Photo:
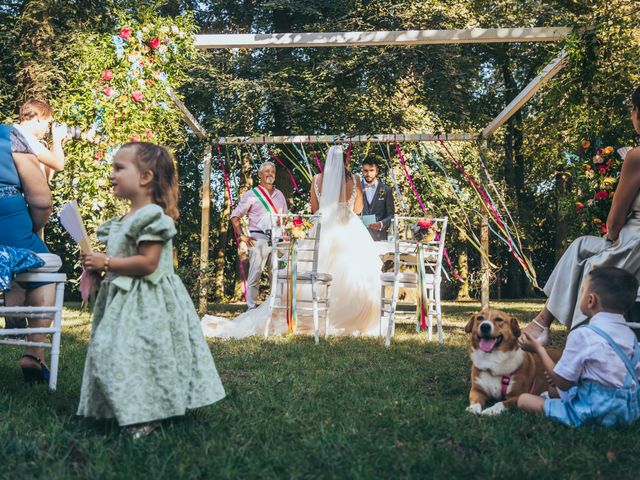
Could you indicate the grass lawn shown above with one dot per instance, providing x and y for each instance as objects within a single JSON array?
[{"x": 347, "y": 408}]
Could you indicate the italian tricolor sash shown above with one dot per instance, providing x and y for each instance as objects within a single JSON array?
[{"x": 265, "y": 199}]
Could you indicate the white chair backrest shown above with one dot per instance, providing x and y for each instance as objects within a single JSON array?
[
  {"x": 403, "y": 235},
  {"x": 306, "y": 249}
]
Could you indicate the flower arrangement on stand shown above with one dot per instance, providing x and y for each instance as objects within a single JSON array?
[
  {"x": 295, "y": 228},
  {"x": 424, "y": 231},
  {"x": 595, "y": 179}
]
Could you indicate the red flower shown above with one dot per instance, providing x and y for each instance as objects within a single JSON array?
[
  {"x": 600, "y": 151},
  {"x": 154, "y": 42},
  {"x": 602, "y": 195},
  {"x": 135, "y": 138},
  {"x": 603, "y": 228},
  {"x": 109, "y": 91},
  {"x": 425, "y": 224},
  {"x": 137, "y": 96},
  {"x": 602, "y": 168},
  {"x": 298, "y": 222},
  {"x": 125, "y": 33},
  {"x": 107, "y": 75}
]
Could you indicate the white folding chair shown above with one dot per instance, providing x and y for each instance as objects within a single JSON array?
[
  {"x": 406, "y": 255},
  {"x": 47, "y": 273},
  {"x": 306, "y": 273}
]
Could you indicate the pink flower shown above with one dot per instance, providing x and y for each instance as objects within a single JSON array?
[
  {"x": 602, "y": 195},
  {"x": 603, "y": 228},
  {"x": 149, "y": 134},
  {"x": 154, "y": 42},
  {"x": 600, "y": 151},
  {"x": 137, "y": 96},
  {"x": 298, "y": 222},
  {"x": 109, "y": 91},
  {"x": 125, "y": 33},
  {"x": 598, "y": 159},
  {"x": 134, "y": 138},
  {"x": 107, "y": 75}
]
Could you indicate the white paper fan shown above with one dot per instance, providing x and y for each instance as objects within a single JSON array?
[{"x": 72, "y": 222}]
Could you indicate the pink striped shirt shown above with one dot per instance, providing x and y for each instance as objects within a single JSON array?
[{"x": 252, "y": 207}]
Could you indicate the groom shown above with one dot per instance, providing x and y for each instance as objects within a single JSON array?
[{"x": 378, "y": 200}]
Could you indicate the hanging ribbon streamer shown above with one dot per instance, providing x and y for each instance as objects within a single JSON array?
[
  {"x": 303, "y": 155},
  {"x": 293, "y": 180},
  {"x": 292, "y": 269},
  {"x": 235, "y": 235},
  {"x": 421, "y": 311},
  {"x": 424, "y": 208},
  {"x": 491, "y": 209},
  {"x": 315, "y": 155}
]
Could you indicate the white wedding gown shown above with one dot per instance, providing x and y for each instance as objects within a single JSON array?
[{"x": 346, "y": 251}]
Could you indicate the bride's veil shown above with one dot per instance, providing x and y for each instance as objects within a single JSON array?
[{"x": 333, "y": 192}]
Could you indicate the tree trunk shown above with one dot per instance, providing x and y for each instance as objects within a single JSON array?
[
  {"x": 514, "y": 173},
  {"x": 463, "y": 269},
  {"x": 562, "y": 223}
]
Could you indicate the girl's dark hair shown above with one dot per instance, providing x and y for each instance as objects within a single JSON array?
[
  {"x": 635, "y": 98},
  {"x": 164, "y": 186}
]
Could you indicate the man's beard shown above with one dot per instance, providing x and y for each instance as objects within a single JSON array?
[{"x": 269, "y": 181}]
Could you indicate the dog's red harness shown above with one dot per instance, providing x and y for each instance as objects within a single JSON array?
[{"x": 506, "y": 379}]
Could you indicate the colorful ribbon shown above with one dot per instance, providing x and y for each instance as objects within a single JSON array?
[
  {"x": 292, "y": 269},
  {"x": 424, "y": 209},
  {"x": 293, "y": 180}
]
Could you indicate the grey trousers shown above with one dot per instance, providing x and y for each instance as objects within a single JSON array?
[{"x": 258, "y": 257}]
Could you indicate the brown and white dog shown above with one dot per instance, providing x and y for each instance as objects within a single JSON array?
[{"x": 501, "y": 370}]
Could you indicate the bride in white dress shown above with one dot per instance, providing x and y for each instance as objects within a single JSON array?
[{"x": 346, "y": 251}]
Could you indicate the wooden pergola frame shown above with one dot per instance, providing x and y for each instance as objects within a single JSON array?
[{"x": 355, "y": 39}]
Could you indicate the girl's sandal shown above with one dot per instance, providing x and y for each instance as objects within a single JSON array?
[
  {"x": 141, "y": 430},
  {"x": 33, "y": 374}
]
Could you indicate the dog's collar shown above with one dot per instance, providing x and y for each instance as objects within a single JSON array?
[{"x": 506, "y": 380}]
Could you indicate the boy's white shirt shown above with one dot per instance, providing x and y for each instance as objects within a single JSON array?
[{"x": 588, "y": 356}]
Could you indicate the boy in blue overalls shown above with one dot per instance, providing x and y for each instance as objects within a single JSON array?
[{"x": 597, "y": 375}]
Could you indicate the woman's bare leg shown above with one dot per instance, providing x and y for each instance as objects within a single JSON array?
[{"x": 38, "y": 297}]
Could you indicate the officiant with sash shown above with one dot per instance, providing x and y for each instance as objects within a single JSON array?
[
  {"x": 257, "y": 205},
  {"x": 379, "y": 209}
]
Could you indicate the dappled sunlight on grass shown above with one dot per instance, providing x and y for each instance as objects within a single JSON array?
[{"x": 348, "y": 407}]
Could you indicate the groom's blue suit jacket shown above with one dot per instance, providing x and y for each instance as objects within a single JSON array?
[{"x": 382, "y": 207}]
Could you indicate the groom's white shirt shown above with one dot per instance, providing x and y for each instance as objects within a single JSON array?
[{"x": 370, "y": 190}]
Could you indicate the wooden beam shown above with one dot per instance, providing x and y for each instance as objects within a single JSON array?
[
  {"x": 380, "y": 138},
  {"x": 529, "y": 91},
  {"x": 188, "y": 117},
  {"x": 356, "y": 39},
  {"x": 204, "y": 231}
]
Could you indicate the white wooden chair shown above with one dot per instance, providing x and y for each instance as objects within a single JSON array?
[
  {"x": 406, "y": 255},
  {"x": 306, "y": 273},
  {"x": 47, "y": 273}
]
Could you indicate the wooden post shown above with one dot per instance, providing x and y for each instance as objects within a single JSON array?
[
  {"x": 484, "y": 263},
  {"x": 204, "y": 232}
]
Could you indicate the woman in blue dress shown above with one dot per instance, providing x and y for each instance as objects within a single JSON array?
[{"x": 25, "y": 206}]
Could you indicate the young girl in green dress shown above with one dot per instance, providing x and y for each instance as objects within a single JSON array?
[{"x": 147, "y": 358}]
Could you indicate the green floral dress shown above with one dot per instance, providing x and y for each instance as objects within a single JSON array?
[{"x": 147, "y": 358}]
